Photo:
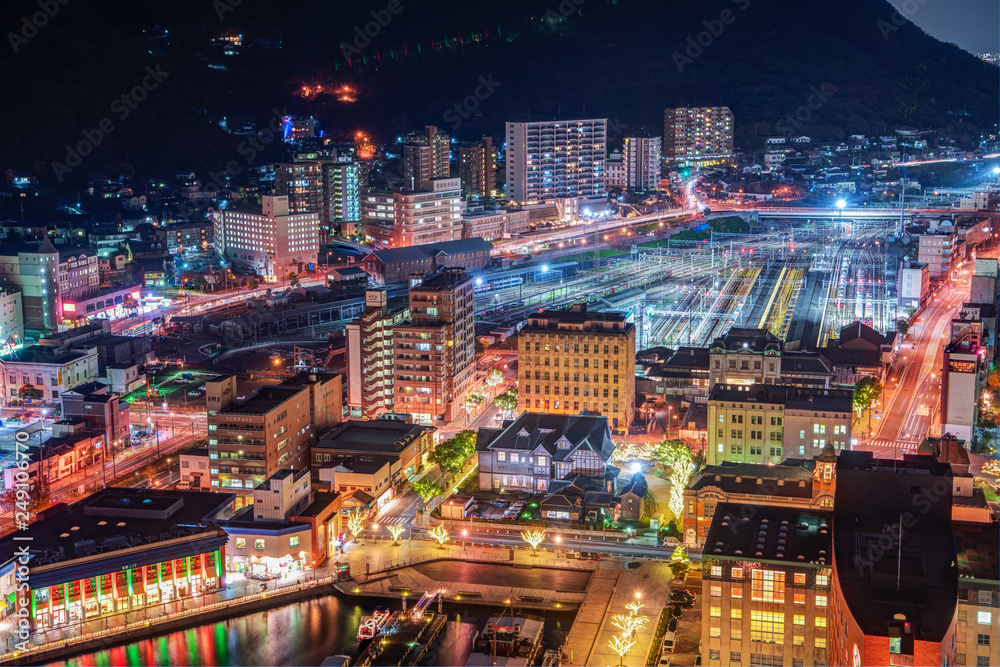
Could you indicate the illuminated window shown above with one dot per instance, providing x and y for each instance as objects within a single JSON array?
[
  {"x": 715, "y": 612},
  {"x": 798, "y": 640},
  {"x": 716, "y": 591},
  {"x": 798, "y": 619},
  {"x": 799, "y": 598},
  {"x": 293, "y": 541},
  {"x": 736, "y": 613},
  {"x": 820, "y": 600},
  {"x": 766, "y": 626},
  {"x": 984, "y": 618},
  {"x": 822, "y": 580},
  {"x": 736, "y": 573},
  {"x": 241, "y": 543},
  {"x": 737, "y": 592},
  {"x": 800, "y": 579},
  {"x": 767, "y": 586},
  {"x": 715, "y": 632},
  {"x": 820, "y": 621},
  {"x": 736, "y": 633},
  {"x": 258, "y": 545},
  {"x": 821, "y": 642}
]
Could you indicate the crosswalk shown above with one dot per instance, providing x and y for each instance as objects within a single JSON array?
[{"x": 882, "y": 443}]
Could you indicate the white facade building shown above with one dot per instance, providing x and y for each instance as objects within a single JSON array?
[
  {"x": 272, "y": 241},
  {"x": 551, "y": 159},
  {"x": 642, "y": 162}
]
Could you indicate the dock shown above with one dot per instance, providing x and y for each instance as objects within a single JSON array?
[{"x": 405, "y": 641}]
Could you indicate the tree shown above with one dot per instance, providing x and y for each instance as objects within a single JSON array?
[
  {"x": 355, "y": 523},
  {"x": 293, "y": 279},
  {"x": 507, "y": 402},
  {"x": 427, "y": 490},
  {"x": 37, "y": 497},
  {"x": 680, "y": 475},
  {"x": 866, "y": 392},
  {"x": 993, "y": 379},
  {"x": 396, "y": 530},
  {"x": 902, "y": 326},
  {"x": 621, "y": 646},
  {"x": 474, "y": 399},
  {"x": 493, "y": 379},
  {"x": 440, "y": 534},
  {"x": 680, "y": 554},
  {"x": 253, "y": 283},
  {"x": 534, "y": 538},
  {"x": 28, "y": 391},
  {"x": 449, "y": 457}
]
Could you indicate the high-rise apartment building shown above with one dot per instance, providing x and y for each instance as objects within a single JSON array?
[
  {"x": 377, "y": 217},
  {"x": 699, "y": 136},
  {"x": 425, "y": 158},
  {"x": 571, "y": 361},
  {"x": 642, "y": 162},
  {"x": 370, "y": 354},
  {"x": 302, "y": 183},
  {"x": 273, "y": 240},
  {"x": 435, "y": 348},
  {"x": 768, "y": 423},
  {"x": 555, "y": 159},
  {"x": 432, "y": 215},
  {"x": 341, "y": 192},
  {"x": 477, "y": 167}
]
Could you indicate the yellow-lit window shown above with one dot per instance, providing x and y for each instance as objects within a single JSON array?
[
  {"x": 737, "y": 592},
  {"x": 798, "y": 619},
  {"x": 736, "y": 613},
  {"x": 736, "y": 573},
  {"x": 715, "y": 612},
  {"x": 767, "y": 586},
  {"x": 800, "y": 579},
  {"x": 820, "y": 600},
  {"x": 766, "y": 626},
  {"x": 821, "y": 621}
]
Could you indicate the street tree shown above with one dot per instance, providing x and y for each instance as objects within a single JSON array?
[
  {"x": 493, "y": 378},
  {"x": 427, "y": 490},
  {"x": 680, "y": 475},
  {"x": 28, "y": 391},
  {"x": 507, "y": 402},
  {"x": 440, "y": 534},
  {"x": 866, "y": 391},
  {"x": 396, "y": 530},
  {"x": 534, "y": 538},
  {"x": 902, "y": 326},
  {"x": 355, "y": 523},
  {"x": 621, "y": 646}
]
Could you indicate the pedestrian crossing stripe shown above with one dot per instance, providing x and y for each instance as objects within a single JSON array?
[{"x": 880, "y": 442}]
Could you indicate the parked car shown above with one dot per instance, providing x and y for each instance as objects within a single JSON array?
[
  {"x": 678, "y": 610},
  {"x": 683, "y": 597},
  {"x": 672, "y": 625},
  {"x": 668, "y": 642},
  {"x": 665, "y": 660}
]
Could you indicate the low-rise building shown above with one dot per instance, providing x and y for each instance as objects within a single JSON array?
[
  {"x": 537, "y": 449},
  {"x": 977, "y": 638},
  {"x": 47, "y": 370},
  {"x": 396, "y": 265},
  {"x": 913, "y": 284},
  {"x": 116, "y": 551}
]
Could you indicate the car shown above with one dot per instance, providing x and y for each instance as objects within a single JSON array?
[
  {"x": 665, "y": 661},
  {"x": 682, "y": 597},
  {"x": 671, "y": 542},
  {"x": 677, "y": 610},
  {"x": 668, "y": 642},
  {"x": 672, "y": 625},
  {"x": 183, "y": 485},
  {"x": 500, "y": 503},
  {"x": 194, "y": 393}
]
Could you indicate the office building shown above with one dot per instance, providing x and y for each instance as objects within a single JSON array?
[
  {"x": 938, "y": 250},
  {"x": 370, "y": 354},
  {"x": 767, "y": 423},
  {"x": 766, "y": 581},
  {"x": 895, "y": 588},
  {"x": 914, "y": 283},
  {"x": 48, "y": 370},
  {"x": 435, "y": 352},
  {"x": 963, "y": 358},
  {"x": 572, "y": 361},
  {"x": 130, "y": 549},
  {"x": 642, "y": 162},
  {"x": 47, "y": 277},
  {"x": 425, "y": 158},
  {"x": 431, "y": 215},
  {"x": 697, "y": 136},
  {"x": 536, "y": 450},
  {"x": 805, "y": 484},
  {"x": 272, "y": 240},
  {"x": 549, "y": 160},
  {"x": 302, "y": 184},
  {"x": 477, "y": 168},
  {"x": 250, "y": 441}
]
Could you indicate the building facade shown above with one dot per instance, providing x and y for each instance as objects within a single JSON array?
[
  {"x": 371, "y": 354},
  {"x": 697, "y": 136},
  {"x": 914, "y": 284},
  {"x": 397, "y": 265},
  {"x": 434, "y": 349},
  {"x": 768, "y": 423},
  {"x": 937, "y": 250},
  {"x": 573, "y": 361},
  {"x": 477, "y": 168},
  {"x": 766, "y": 584},
  {"x": 960, "y": 384},
  {"x": 536, "y": 449},
  {"x": 302, "y": 183},
  {"x": 48, "y": 370},
  {"x": 431, "y": 215},
  {"x": 11, "y": 320},
  {"x": 273, "y": 241},
  {"x": 426, "y": 158},
  {"x": 642, "y": 162},
  {"x": 555, "y": 159}
]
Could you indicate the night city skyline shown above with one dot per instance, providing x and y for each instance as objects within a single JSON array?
[{"x": 420, "y": 332}]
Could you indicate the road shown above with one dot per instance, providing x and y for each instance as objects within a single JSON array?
[{"x": 910, "y": 406}]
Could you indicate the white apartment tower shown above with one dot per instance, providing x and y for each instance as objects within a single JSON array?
[{"x": 547, "y": 160}]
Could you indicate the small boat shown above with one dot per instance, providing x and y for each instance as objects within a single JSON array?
[
  {"x": 507, "y": 642},
  {"x": 372, "y": 627}
]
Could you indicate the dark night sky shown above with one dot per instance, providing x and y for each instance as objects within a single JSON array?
[{"x": 974, "y": 25}]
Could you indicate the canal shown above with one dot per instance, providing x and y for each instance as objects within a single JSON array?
[{"x": 305, "y": 633}]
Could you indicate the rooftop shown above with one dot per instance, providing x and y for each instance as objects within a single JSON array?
[
  {"x": 264, "y": 401},
  {"x": 44, "y": 354},
  {"x": 758, "y": 532},
  {"x": 377, "y": 436},
  {"x": 793, "y": 398},
  {"x": 977, "y": 547},
  {"x": 753, "y": 340},
  {"x": 558, "y": 435},
  {"x": 427, "y": 250}
]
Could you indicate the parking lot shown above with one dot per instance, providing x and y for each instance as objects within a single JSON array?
[{"x": 506, "y": 510}]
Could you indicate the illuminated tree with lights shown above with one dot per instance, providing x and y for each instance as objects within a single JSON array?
[
  {"x": 507, "y": 402},
  {"x": 992, "y": 467},
  {"x": 680, "y": 554},
  {"x": 621, "y": 646},
  {"x": 633, "y": 451},
  {"x": 493, "y": 379},
  {"x": 355, "y": 524},
  {"x": 439, "y": 534},
  {"x": 634, "y": 607},
  {"x": 680, "y": 475},
  {"x": 629, "y": 623},
  {"x": 396, "y": 530},
  {"x": 534, "y": 538}
]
